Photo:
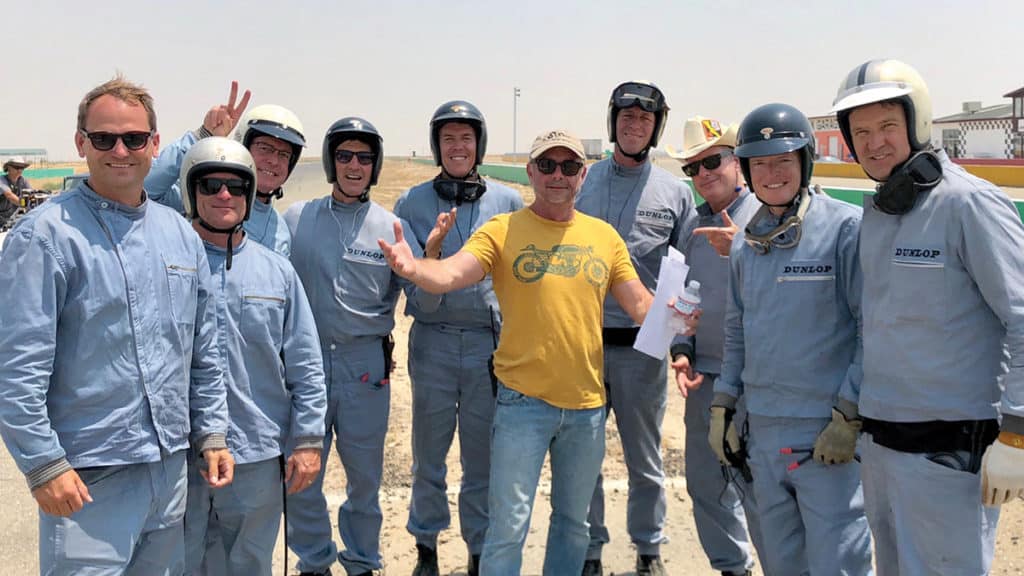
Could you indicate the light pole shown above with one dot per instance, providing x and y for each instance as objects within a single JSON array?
[{"x": 515, "y": 102}]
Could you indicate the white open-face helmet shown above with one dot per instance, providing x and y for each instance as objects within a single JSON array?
[
  {"x": 211, "y": 155},
  {"x": 274, "y": 121},
  {"x": 881, "y": 81}
]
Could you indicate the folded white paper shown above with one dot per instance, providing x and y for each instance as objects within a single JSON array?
[{"x": 656, "y": 333}]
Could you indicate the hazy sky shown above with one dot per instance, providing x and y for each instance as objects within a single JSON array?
[{"x": 394, "y": 62}]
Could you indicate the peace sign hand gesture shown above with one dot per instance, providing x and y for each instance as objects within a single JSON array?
[{"x": 221, "y": 119}]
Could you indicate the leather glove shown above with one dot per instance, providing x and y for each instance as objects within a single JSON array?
[
  {"x": 722, "y": 431},
  {"x": 1002, "y": 470},
  {"x": 837, "y": 443}
]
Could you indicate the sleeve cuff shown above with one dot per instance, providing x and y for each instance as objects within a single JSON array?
[
  {"x": 215, "y": 441},
  {"x": 724, "y": 400},
  {"x": 201, "y": 133},
  {"x": 1013, "y": 424},
  {"x": 683, "y": 349},
  {"x": 47, "y": 472},
  {"x": 309, "y": 442},
  {"x": 848, "y": 409}
]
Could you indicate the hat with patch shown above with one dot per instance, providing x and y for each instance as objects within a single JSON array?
[
  {"x": 554, "y": 139},
  {"x": 700, "y": 133}
]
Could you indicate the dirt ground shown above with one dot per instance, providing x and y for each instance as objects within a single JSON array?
[{"x": 683, "y": 555}]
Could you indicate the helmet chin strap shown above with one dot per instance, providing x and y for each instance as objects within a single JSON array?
[
  {"x": 639, "y": 156},
  {"x": 230, "y": 233},
  {"x": 364, "y": 196},
  {"x": 277, "y": 194}
]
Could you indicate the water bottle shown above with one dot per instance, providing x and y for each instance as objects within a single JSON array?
[{"x": 689, "y": 301}]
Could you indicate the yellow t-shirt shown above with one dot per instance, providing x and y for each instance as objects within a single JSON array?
[{"x": 551, "y": 279}]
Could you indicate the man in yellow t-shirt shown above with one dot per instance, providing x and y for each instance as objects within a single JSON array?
[{"x": 551, "y": 268}]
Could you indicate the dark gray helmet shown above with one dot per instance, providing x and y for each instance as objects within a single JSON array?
[
  {"x": 776, "y": 129},
  {"x": 458, "y": 111},
  {"x": 352, "y": 128},
  {"x": 211, "y": 155},
  {"x": 645, "y": 95}
]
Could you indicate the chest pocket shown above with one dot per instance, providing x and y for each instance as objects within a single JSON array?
[
  {"x": 918, "y": 284},
  {"x": 182, "y": 289},
  {"x": 810, "y": 283},
  {"x": 651, "y": 230},
  {"x": 263, "y": 317},
  {"x": 366, "y": 276}
]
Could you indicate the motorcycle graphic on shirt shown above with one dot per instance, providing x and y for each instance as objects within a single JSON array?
[{"x": 563, "y": 260}]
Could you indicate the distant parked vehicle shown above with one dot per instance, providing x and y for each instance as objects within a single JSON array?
[{"x": 828, "y": 159}]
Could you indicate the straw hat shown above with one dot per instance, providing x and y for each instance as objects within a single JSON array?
[{"x": 700, "y": 133}]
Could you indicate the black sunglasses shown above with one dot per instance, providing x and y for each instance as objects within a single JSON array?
[
  {"x": 345, "y": 156},
  {"x": 709, "y": 163},
  {"x": 569, "y": 167},
  {"x": 104, "y": 141},
  {"x": 632, "y": 94},
  {"x": 210, "y": 186}
]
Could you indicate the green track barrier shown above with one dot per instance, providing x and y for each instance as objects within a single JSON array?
[
  {"x": 47, "y": 173},
  {"x": 506, "y": 172}
]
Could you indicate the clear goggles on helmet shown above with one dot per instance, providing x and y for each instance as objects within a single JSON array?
[
  {"x": 786, "y": 235},
  {"x": 645, "y": 96}
]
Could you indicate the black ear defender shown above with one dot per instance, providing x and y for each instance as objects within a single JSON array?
[{"x": 920, "y": 173}]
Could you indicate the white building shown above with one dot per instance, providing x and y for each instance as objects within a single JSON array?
[{"x": 983, "y": 132}]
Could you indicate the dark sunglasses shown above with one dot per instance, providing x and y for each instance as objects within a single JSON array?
[
  {"x": 709, "y": 163},
  {"x": 345, "y": 156},
  {"x": 211, "y": 186},
  {"x": 569, "y": 167},
  {"x": 632, "y": 94},
  {"x": 104, "y": 141}
]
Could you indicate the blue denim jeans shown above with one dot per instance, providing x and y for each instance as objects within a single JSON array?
[{"x": 525, "y": 429}]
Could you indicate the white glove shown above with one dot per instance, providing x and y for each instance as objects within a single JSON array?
[{"x": 1002, "y": 473}]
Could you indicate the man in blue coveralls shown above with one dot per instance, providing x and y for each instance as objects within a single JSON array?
[
  {"x": 353, "y": 293},
  {"x": 795, "y": 269},
  {"x": 449, "y": 346},
  {"x": 109, "y": 362},
  {"x": 651, "y": 210},
  {"x": 273, "y": 135},
  {"x": 274, "y": 380},
  {"x": 943, "y": 259},
  {"x": 724, "y": 507}
]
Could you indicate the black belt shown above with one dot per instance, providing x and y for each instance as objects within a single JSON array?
[
  {"x": 619, "y": 336},
  {"x": 933, "y": 436}
]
